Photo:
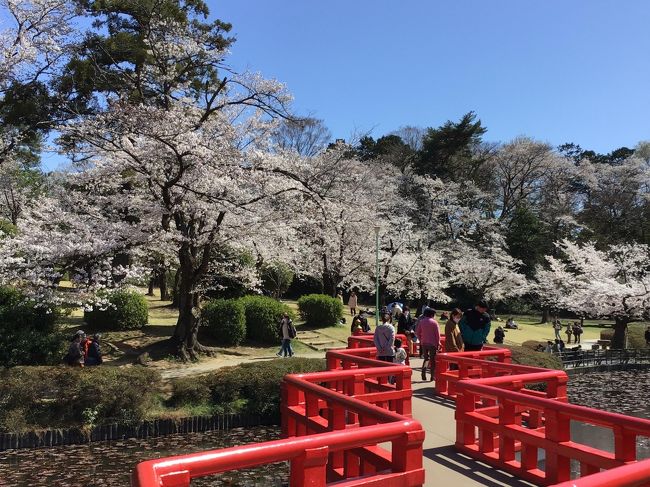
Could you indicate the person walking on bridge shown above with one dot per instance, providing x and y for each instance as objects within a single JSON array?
[
  {"x": 428, "y": 334},
  {"x": 475, "y": 327},
  {"x": 384, "y": 339}
]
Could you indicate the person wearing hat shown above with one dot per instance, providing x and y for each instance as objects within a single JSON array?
[{"x": 475, "y": 327}]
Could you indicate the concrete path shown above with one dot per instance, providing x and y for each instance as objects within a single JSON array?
[{"x": 444, "y": 465}]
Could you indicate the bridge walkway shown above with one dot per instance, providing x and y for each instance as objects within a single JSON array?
[{"x": 445, "y": 467}]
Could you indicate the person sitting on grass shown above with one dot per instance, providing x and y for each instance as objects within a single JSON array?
[
  {"x": 511, "y": 325},
  {"x": 75, "y": 356},
  {"x": 499, "y": 335},
  {"x": 360, "y": 321},
  {"x": 94, "y": 353}
]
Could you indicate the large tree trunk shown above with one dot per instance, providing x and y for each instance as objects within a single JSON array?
[
  {"x": 329, "y": 284},
  {"x": 175, "y": 297},
  {"x": 152, "y": 285},
  {"x": 620, "y": 333},
  {"x": 162, "y": 282},
  {"x": 189, "y": 312},
  {"x": 546, "y": 315}
]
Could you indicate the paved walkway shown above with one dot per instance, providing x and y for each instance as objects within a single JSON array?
[{"x": 444, "y": 465}]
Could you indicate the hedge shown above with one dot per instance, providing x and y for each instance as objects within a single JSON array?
[
  {"x": 636, "y": 335},
  {"x": 523, "y": 355},
  {"x": 320, "y": 310},
  {"x": 246, "y": 388},
  {"x": 263, "y": 315},
  {"x": 225, "y": 320},
  {"x": 56, "y": 397},
  {"x": 127, "y": 310},
  {"x": 28, "y": 334}
]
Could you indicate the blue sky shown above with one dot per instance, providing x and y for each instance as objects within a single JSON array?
[{"x": 558, "y": 71}]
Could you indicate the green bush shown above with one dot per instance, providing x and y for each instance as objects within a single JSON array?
[
  {"x": 636, "y": 335},
  {"x": 67, "y": 396},
  {"x": 28, "y": 334},
  {"x": 320, "y": 310},
  {"x": 126, "y": 310},
  {"x": 527, "y": 356},
  {"x": 263, "y": 315},
  {"x": 225, "y": 320},
  {"x": 252, "y": 388},
  {"x": 533, "y": 344}
]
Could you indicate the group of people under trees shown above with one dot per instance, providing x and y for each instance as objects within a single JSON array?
[
  {"x": 84, "y": 351},
  {"x": 571, "y": 330},
  {"x": 464, "y": 331}
]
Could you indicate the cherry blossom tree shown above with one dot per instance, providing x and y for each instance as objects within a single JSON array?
[
  {"x": 487, "y": 272},
  {"x": 612, "y": 283},
  {"x": 34, "y": 41}
]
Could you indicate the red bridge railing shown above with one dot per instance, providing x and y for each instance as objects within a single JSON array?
[
  {"x": 502, "y": 423},
  {"x": 334, "y": 423}
]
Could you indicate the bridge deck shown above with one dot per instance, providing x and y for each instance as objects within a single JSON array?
[{"x": 444, "y": 465}]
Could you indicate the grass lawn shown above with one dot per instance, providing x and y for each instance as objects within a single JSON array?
[
  {"x": 162, "y": 319},
  {"x": 531, "y": 329}
]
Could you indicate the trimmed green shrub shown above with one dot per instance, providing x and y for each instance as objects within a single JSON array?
[
  {"x": 636, "y": 335},
  {"x": 320, "y": 310},
  {"x": 68, "y": 396},
  {"x": 527, "y": 356},
  {"x": 263, "y": 316},
  {"x": 246, "y": 388},
  {"x": 225, "y": 320},
  {"x": 28, "y": 334},
  {"x": 127, "y": 310},
  {"x": 533, "y": 344}
]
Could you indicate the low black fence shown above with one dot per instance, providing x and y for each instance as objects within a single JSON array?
[
  {"x": 121, "y": 431},
  {"x": 595, "y": 358}
]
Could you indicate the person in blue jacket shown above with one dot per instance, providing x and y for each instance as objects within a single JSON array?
[{"x": 475, "y": 327}]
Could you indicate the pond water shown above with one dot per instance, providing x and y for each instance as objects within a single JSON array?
[
  {"x": 110, "y": 463},
  {"x": 624, "y": 392}
]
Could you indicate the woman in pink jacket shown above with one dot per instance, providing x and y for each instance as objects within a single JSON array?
[{"x": 428, "y": 334}]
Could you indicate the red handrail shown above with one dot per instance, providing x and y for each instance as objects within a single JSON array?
[
  {"x": 333, "y": 423},
  {"x": 496, "y": 418}
]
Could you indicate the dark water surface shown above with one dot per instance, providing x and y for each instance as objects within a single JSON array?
[
  {"x": 110, "y": 463},
  {"x": 625, "y": 392}
]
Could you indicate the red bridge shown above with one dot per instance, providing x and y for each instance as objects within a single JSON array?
[{"x": 353, "y": 425}]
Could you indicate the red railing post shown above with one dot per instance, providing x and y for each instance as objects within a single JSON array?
[
  {"x": 308, "y": 469},
  {"x": 336, "y": 422},
  {"x": 558, "y": 430},
  {"x": 624, "y": 444},
  {"x": 507, "y": 417},
  {"x": 442, "y": 366},
  {"x": 407, "y": 451},
  {"x": 403, "y": 383},
  {"x": 465, "y": 434}
]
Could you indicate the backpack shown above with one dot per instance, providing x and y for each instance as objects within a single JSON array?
[{"x": 292, "y": 330}]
